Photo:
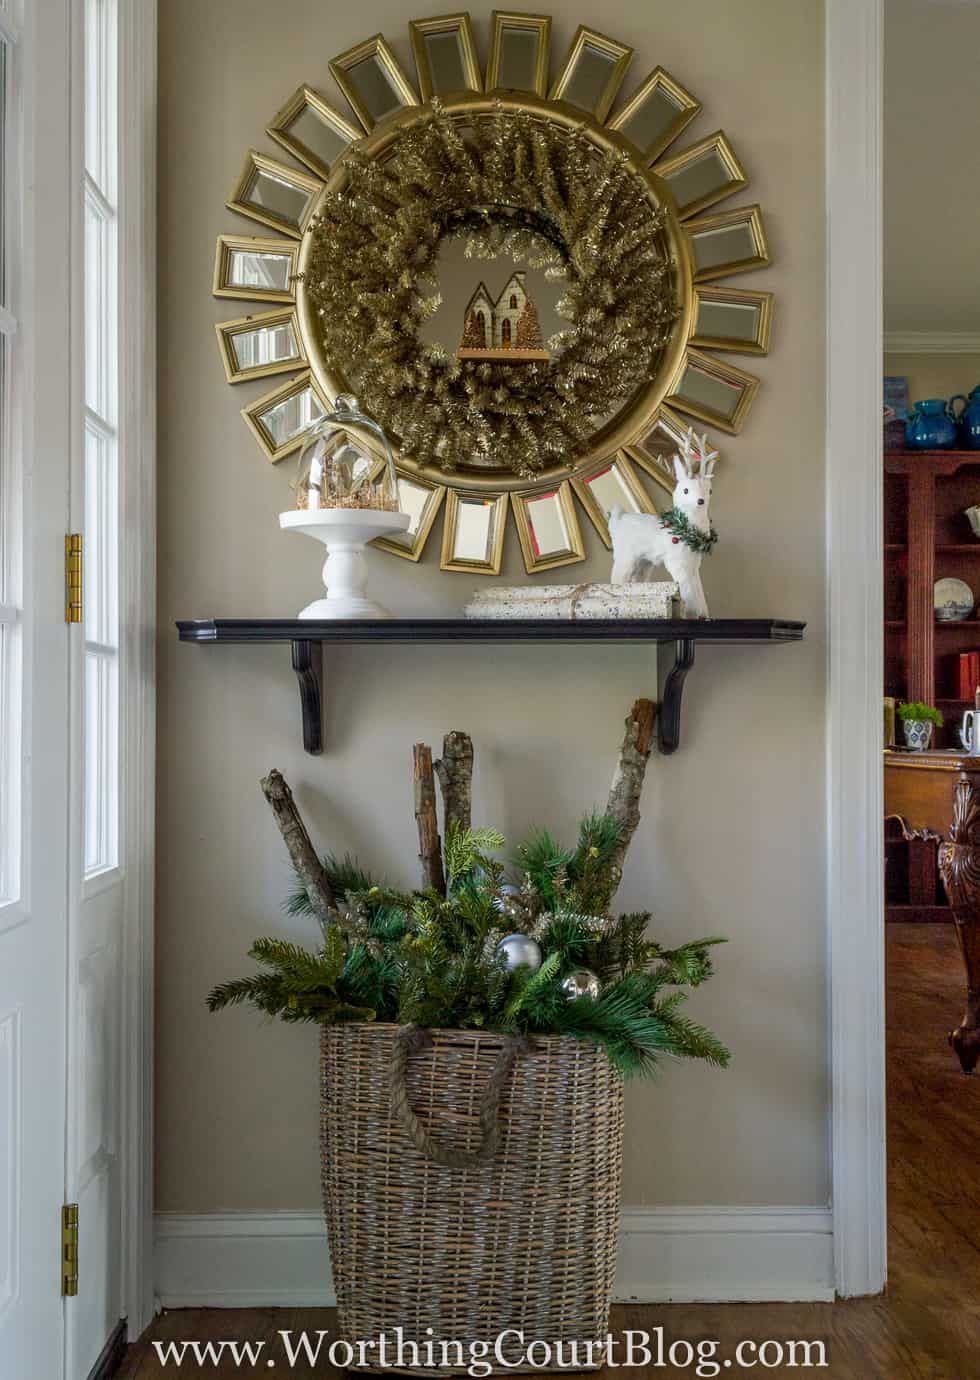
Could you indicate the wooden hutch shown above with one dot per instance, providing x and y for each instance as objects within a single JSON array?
[{"x": 927, "y": 537}]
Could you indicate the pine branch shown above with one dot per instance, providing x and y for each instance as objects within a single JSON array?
[
  {"x": 466, "y": 849},
  {"x": 545, "y": 863}
]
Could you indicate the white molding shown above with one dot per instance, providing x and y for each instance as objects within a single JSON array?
[
  {"x": 854, "y": 562},
  {"x": 675, "y": 1254},
  {"x": 932, "y": 342},
  {"x": 137, "y": 440}
]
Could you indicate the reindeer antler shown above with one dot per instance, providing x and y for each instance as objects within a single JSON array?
[
  {"x": 688, "y": 454},
  {"x": 708, "y": 456},
  {"x": 695, "y": 452}
]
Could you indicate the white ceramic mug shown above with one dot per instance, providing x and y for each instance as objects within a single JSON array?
[
  {"x": 972, "y": 516},
  {"x": 969, "y": 729}
]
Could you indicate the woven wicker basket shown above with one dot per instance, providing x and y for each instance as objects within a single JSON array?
[{"x": 525, "y": 1239}]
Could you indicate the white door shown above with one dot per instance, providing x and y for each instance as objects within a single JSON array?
[
  {"x": 34, "y": 445},
  {"x": 98, "y": 672},
  {"x": 75, "y": 836}
]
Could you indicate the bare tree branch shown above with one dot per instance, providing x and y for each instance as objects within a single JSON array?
[
  {"x": 455, "y": 772},
  {"x": 627, "y": 782},
  {"x": 308, "y": 867},
  {"x": 430, "y": 847}
]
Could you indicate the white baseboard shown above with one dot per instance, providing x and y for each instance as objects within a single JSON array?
[{"x": 666, "y": 1254}]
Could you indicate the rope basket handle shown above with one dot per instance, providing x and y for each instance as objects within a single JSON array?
[{"x": 409, "y": 1040}]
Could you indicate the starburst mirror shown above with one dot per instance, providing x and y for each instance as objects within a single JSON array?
[{"x": 520, "y": 275}]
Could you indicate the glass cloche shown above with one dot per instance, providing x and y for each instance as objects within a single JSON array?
[{"x": 333, "y": 471}]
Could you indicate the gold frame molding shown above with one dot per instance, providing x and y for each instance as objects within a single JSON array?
[
  {"x": 413, "y": 551},
  {"x": 714, "y": 143},
  {"x": 621, "y": 54},
  {"x": 254, "y": 410},
  {"x": 727, "y": 373},
  {"x": 689, "y": 106},
  {"x": 536, "y": 23},
  {"x": 498, "y": 529},
  {"x": 574, "y": 552},
  {"x": 458, "y": 24},
  {"x": 631, "y": 482},
  {"x": 251, "y": 244},
  {"x": 735, "y": 345},
  {"x": 748, "y": 216},
  {"x": 256, "y": 162},
  {"x": 242, "y": 325},
  {"x": 374, "y": 47},
  {"x": 307, "y": 98}
]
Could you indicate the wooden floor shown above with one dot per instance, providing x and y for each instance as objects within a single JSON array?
[{"x": 928, "y": 1325}]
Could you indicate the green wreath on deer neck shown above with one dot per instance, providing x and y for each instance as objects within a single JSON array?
[{"x": 512, "y": 186}]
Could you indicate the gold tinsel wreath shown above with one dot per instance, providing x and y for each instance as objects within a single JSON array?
[{"x": 513, "y": 186}]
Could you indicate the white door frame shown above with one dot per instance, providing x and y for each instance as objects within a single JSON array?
[
  {"x": 854, "y": 588},
  {"x": 137, "y": 47}
]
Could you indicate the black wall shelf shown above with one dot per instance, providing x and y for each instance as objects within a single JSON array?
[{"x": 307, "y": 638}]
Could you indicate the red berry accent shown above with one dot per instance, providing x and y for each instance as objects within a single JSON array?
[{"x": 675, "y": 540}]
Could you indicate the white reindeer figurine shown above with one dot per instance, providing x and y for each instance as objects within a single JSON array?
[{"x": 677, "y": 538}]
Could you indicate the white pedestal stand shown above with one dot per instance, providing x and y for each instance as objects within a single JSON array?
[{"x": 344, "y": 532}]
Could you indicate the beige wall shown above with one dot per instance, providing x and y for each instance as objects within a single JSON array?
[
  {"x": 732, "y": 839},
  {"x": 935, "y": 375},
  {"x": 931, "y": 190}
]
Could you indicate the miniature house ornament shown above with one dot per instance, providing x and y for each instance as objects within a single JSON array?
[
  {"x": 677, "y": 538},
  {"x": 345, "y": 497}
]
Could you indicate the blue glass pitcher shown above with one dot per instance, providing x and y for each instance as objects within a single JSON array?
[
  {"x": 970, "y": 420},
  {"x": 931, "y": 425}
]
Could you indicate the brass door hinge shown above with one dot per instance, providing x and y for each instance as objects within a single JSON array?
[
  {"x": 73, "y": 577},
  {"x": 69, "y": 1250}
]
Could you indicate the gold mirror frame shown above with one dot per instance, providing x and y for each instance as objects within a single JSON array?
[
  {"x": 632, "y": 420},
  {"x": 619, "y": 440}
]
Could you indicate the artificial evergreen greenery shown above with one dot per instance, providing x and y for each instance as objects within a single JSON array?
[{"x": 430, "y": 959}]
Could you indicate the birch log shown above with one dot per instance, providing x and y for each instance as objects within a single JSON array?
[
  {"x": 308, "y": 867},
  {"x": 627, "y": 782},
  {"x": 455, "y": 772},
  {"x": 430, "y": 847}
]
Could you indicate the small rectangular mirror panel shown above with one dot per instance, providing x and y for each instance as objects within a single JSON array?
[
  {"x": 421, "y": 501},
  {"x": 519, "y": 52},
  {"x": 714, "y": 392},
  {"x": 548, "y": 528},
  {"x": 730, "y": 242},
  {"x": 728, "y": 319},
  {"x": 473, "y": 534},
  {"x": 658, "y": 112},
  {"x": 702, "y": 174},
  {"x": 280, "y": 418},
  {"x": 255, "y": 268},
  {"x": 593, "y": 72},
  {"x": 254, "y": 346}
]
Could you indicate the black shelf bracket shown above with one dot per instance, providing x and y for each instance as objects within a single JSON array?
[
  {"x": 671, "y": 681},
  {"x": 308, "y": 665},
  {"x": 306, "y": 639}
]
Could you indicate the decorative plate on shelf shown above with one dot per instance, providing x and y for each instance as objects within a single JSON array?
[{"x": 953, "y": 601}]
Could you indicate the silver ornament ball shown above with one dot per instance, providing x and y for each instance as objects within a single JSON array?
[
  {"x": 519, "y": 951},
  {"x": 580, "y": 983}
]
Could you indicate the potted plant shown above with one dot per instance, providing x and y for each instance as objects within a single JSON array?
[
  {"x": 917, "y": 722},
  {"x": 475, "y": 1034}
]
